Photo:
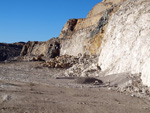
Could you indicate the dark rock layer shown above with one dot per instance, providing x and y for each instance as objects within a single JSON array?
[{"x": 8, "y": 51}]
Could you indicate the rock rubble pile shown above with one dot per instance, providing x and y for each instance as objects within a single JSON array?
[
  {"x": 64, "y": 61},
  {"x": 87, "y": 66},
  {"x": 136, "y": 87},
  {"x": 127, "y": 83}
]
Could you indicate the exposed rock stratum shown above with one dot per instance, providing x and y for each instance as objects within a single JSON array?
[
  {"x": 126, "y": 44},
  {"x": 85, "y": 35},
  {"x": 8, "y": 51}
]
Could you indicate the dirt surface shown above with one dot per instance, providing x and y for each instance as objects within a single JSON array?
[{"x": 25, "y": 87}]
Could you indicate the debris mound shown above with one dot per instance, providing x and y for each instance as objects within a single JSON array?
[
  {"x": 64, "y": 61},
  {"x": 87, "y": 66}
]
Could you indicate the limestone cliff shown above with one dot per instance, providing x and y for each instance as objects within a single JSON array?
[
  {"x": 79, "y": 35},
  {"x": 116, "y": 30},
  {"x": 125, "y": 46}
]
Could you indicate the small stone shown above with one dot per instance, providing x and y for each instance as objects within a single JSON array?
[
  {"x": 96, "y": 83},
  {"x": 109, "y": 88},
  {"x": 132, "y": 95},
  {"x": 6, "y": 97}
]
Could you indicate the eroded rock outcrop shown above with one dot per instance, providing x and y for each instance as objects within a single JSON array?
[
  {"x": 49, "y": 49},
  {"x": 83, "y": 31},
  {"x": 125, "y": 46},
  {"x": 9, "y": 51}
]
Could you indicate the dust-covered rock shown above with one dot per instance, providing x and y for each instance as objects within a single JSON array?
[
  {"x": 87, "y": 66},
  {"x": 88, "y": 80},
  {"x": 64, "y": 61}
]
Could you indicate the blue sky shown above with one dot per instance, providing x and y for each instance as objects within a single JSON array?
[{"x": 38, "y": 20}]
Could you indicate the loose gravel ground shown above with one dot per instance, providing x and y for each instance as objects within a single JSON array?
[{"x": 26, "y": 87}]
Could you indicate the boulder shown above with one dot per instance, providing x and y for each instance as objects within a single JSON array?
[
  {"x": 88, "y": 80},
  {"x": 38, "y": 58}
]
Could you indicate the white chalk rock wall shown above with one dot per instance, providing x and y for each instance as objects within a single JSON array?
[
  {"x": 126, "y": 45},
  {"x": 76, "y": 44}
]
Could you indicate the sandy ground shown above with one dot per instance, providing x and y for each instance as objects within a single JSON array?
[{"x": 26, "y": 87}]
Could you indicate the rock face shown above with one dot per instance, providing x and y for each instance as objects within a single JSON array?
[
  {"x": 8, "y": 51},
  {"x": 68, "y": 29},
  {"x": 118, "y": 31},
  {"x": 78, "y": 35},
  {"x": 82, "y": 32},
  {"x": 125, "y": 46},
  {"x": 49, "y": 49},
  {"x": 102, "y": 6}
]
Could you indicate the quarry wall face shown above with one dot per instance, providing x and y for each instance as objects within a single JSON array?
[
  {"x": 117, "y": 31},
  {"x": 126, "y": 44},
  {"x": 85, "y": 35}
]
